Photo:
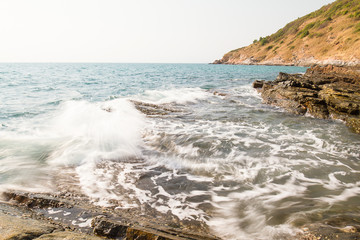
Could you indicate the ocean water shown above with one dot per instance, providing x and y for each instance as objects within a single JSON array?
[{"x": 190, "y": 140}]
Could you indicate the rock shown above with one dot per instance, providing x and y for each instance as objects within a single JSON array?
[
  {"x": 258, "y": 83},
  {"x": 105, "y": 228},
  {"x": 349, "y": 229},
  {"x": 217, "y": 61},
  {"x": 67, "y": 235},
  {"x": 22, "y": 223},
  {"x": 353, "y": 123},
  {"x": 320, "y": 231},
  {"x": 16, "y": 227},
  {"x": 117, "y": 230},
  {"x": 153, "y": 109},
  {"x": 33, "y": 201},
  {"x": 216, "y": 93},
  {"x": 105, "y": 224},
  {"x": 323, "y": 92}
]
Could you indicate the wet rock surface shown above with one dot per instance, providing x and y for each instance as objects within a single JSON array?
[
  {"x": 323, "y": 92},
  {"x": 150, "y": 109},
  {"x": 39, "y": 216},
  {"x": 21, "y": 223},
  {"x": 320, "y": 232}
]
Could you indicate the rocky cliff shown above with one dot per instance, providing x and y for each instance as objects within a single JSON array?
[
  {"x": 330, "y": 35},
  {"x": 324, "y": 92}
]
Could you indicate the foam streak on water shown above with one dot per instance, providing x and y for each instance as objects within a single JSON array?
[{"x": 189, "y": 141}]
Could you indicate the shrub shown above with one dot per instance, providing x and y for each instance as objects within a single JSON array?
[
  {"x": 263, "y": 41},
  {"x": 357, "y": 28},
  {"x": 357, "y": 14},
  {"x": 304, "y": 33}
]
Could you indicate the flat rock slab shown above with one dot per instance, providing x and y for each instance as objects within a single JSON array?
[
  {"x": 18, "y": 227},
  {"x": 67, "y": 235},
  {"x": 18, "y": 223},
  {"x": 37, "y": 216}
]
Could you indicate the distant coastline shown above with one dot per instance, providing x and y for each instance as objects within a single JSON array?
[{"x": 304, "y": 62}]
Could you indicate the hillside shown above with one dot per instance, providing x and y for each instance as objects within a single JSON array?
[{"x": 330, "y": 35}]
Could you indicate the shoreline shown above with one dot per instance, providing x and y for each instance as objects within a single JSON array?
[
  {"x": 26, "y": 215},
  {"x": 300, "y": 63},
  {"x": 40, "y": 216}
]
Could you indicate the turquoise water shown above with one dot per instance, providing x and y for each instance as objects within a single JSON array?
[{"x": 205, "y": 149}]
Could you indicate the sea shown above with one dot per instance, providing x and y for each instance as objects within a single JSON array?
[{"x": 193, "y": 141}]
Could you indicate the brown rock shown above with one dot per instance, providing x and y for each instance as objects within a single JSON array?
[
  {"x": 117, "y": 230},
  {"x": 258, "y": 83},
  {"x": 15, "y": 227},
  {"x": 67, "y": 235},
  {"x": 109, "y": 229},
  {"x": 323, "y": 92},
  {"x": 349, "y": 229}
]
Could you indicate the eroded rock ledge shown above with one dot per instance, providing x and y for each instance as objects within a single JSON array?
[
  {"x": 328, "y": 92},
  {"x": 39, "y": 216}
]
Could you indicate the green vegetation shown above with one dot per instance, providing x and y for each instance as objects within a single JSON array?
[
  {"x": 327, "y": 13},
  {"x": 357, "y": 15},
  {"x": 342, "y": 7},
  {"x": 263, "y": 41},
  {"x": 303, "y": 33},
  {"x": 290, "y": 43},
  {"x": 235, "y": 50},
  {"x": 269, "y": 47},
  {"x": 357, "y": 28}
]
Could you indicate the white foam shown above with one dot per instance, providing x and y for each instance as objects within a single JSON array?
[
  {"x": 79, "y": 134},
  {"x": 344, "y": 196},
  {"x": 108, "y": 130},
  {"x": 175, "y": 95}
]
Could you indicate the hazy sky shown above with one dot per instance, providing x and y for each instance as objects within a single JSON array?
[{"x": 138, "y": 30}]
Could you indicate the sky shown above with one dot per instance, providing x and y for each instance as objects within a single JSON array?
[{"x": 147, "y": 31}]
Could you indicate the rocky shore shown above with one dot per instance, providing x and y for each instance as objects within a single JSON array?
[
  {"x": 41, "y": 216},
  {"x": 25, "y": 216},
  {"x": 328, "y": 92},
  {"x": 295, "y": 61}
]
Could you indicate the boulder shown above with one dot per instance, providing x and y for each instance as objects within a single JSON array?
[{"x": 258, "y": 83}]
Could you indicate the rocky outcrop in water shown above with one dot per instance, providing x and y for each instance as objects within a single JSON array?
[{"x": 324, "y": 92}]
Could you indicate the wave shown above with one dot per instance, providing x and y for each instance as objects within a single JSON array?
[
  {"x": 175, "y": 95},
  {"x": 79, "y": 134}
]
